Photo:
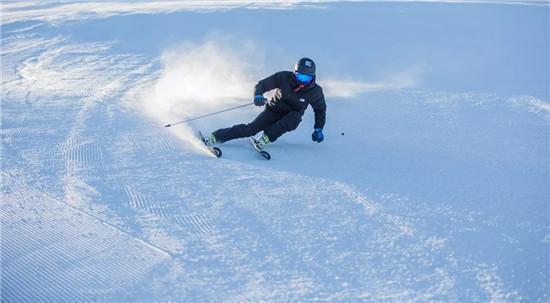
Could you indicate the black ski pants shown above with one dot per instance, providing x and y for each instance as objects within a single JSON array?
[{"x": 273, "y": 124}]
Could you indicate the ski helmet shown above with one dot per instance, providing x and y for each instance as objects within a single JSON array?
[{"x": 305, "y": 66}]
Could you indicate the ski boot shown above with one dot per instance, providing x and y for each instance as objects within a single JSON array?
[
  {"x": 209, "y": 140},
  {"x": 262, "y": 141},
  {"x": 259, "y": 144}
]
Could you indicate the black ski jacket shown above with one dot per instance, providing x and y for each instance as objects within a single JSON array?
[{"x": 292, "y": 97}]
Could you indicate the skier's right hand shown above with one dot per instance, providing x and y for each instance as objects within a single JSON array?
[
  {"x": 259, "y": 100},
  {"x": 317, "y": 135}
]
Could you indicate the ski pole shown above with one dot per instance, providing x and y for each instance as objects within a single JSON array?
[{"x": 207, "y": 115}]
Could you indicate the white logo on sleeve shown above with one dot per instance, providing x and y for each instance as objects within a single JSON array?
[{"x": 302, "y": 100}]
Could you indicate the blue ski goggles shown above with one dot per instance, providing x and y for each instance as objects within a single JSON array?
[{"x": 303, "y": 78}]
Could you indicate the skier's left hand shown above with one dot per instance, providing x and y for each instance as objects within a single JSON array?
[{"x": 317, "y": 135}]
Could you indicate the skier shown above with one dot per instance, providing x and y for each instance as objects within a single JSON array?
[{"x": 283, "y": 113}]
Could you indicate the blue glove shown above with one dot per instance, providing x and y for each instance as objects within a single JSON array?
[
  {"x": 259, "y": 100},
  {"x": 317, "y": 135}
]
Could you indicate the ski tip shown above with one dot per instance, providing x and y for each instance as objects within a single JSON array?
[
  {"x": 167, "y": 125},
  {"x": 265, "y": 154},
  {"x": 217, "y": 152}
]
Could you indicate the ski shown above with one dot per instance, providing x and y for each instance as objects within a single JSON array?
[
  {"x": 263, "y": 153},
  {"x": 216, "y": 151}
]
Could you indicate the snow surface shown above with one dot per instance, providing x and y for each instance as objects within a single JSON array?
[{"x": 432, "y": 184}]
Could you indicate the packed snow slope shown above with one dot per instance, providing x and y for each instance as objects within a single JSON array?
[{"x": 432, "y": 183}]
